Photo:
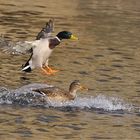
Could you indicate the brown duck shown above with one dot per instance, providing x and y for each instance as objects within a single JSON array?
[{"x": 58, "y": 94}]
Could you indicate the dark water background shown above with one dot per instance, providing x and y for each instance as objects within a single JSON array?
[{"x": 105, "y": 59}]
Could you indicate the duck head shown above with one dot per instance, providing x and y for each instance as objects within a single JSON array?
[
  {"x": 66, "y": 35},
  {"x": 75, "y": 86}
]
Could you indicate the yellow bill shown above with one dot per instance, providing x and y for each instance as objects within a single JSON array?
[{"x": 73, "y": 37}]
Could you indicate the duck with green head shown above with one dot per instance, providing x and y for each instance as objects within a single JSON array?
[{"x": 43, "y": 47}]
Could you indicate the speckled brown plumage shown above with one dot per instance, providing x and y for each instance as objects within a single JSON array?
[{"x": 56, "y": 93}]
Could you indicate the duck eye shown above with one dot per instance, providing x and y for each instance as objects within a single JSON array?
[{"x": 78, "y": 84}]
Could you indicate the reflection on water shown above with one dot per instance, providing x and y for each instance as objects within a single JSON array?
[{"x": 106, "y": 58}]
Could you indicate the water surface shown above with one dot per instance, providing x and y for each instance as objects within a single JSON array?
[{"x": 105, "y": 59}]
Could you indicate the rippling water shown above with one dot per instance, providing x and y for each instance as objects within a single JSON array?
[{"x": 105, "y": 59}]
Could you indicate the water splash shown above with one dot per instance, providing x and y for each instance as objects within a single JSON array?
[
  {"x": 26, "y": 96},
  {"x": 98, "y": 102}
]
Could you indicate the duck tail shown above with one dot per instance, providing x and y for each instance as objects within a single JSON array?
[{"x": 26, "y": 67}]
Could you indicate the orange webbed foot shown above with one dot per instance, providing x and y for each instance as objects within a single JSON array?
[
  {"x": 49, "y": 71},
  {"x": 45, "y": 71}
]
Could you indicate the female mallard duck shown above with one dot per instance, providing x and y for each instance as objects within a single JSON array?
[
  {"x": 42, "y": 48},
  {"x": 58, "y": 94}
]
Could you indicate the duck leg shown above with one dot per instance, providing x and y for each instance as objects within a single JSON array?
[
  {"x": 45, "y": 71},
  {"x": 49, "y": 70}
]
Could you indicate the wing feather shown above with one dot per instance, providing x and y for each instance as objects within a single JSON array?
[
  {"x": 47, "y": 30},
  {"x": 21, "y": 47}
]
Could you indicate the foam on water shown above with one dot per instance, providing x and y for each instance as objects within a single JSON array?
[
  {"x": 98, "y": 102},
  {"x": 25, "y": 96}
]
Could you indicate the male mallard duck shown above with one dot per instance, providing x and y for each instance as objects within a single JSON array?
[
  {"x": 42, "y": 48},
  {"x": 58, "y": 94}
]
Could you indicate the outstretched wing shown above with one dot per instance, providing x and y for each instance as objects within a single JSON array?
[
  {"x": 24, "y": 47},
  {"x": 18, "y": 47},
  {"x": 47, "y": 30}
]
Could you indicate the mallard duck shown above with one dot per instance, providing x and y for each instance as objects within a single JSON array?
[
  {"x": 58, "y": 94},
  {"x": 42, "y": 48}
]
